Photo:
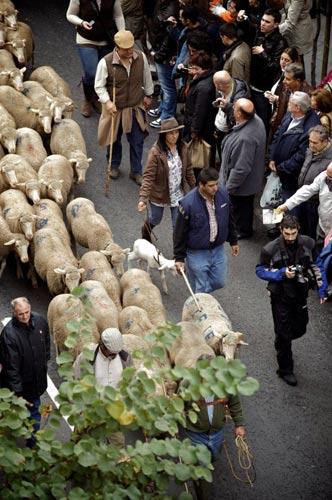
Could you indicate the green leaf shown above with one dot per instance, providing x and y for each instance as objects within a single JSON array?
[
  {"x": 192, "y": 416},
  {"x": 65, "y": 357},
  {"x": 182, "y": 472},
  {"x": 203, "y": 473},
  {"x": 188, "y": 455},
  {"x": 73, "y": 325},
  {"x": 178, "y": 404},
  {"x": 88, "y": 459},
  {"x": 248, "y": 387},
  {"x": 157, "y": 447},
  {"x": 162, "y": 424},
  {"x": 115, "y": 409},
  {"x": 5, "y": 394}
]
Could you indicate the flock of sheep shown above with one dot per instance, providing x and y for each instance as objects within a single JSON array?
[{"x": 35, "y": 187}]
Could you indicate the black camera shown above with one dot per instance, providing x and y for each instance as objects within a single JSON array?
[{"x": 298, "y": 269}]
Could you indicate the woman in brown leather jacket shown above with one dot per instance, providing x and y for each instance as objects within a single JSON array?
[{"x": 167, "y": 177}]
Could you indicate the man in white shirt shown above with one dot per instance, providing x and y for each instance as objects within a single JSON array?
[
  {"x": 124, "y": 86},
  {"x": 322, "y": 185},
  {"x": 109, "y": 358}
]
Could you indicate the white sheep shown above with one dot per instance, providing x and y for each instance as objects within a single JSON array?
[
  {"x": 30, "y": 146},
  {"x": 62, "y": 309},
  {"x": 189, "y": 347},
  {"x": 18, "y": 213},
  {"x": 100, "y": 305},
  {"x": 143, "y": 250},
  {"x": 19, "y": 42},
  {"x": 42, "y": 99},
  {"x": 67, "y": 140},
  {"x": 214, "y": 325},
  {"x": 98, "y": 268},
  {"x": 11, "y": 242},
  {"x": 8, "y": 13},
  {"x": 16, "y": 171},
  {"x": 134, "y": 320},
  {"x": 8, "y": 131},
  {"x": 19, "y": 106},
  {"x": 138, "y": 290},
  {"x": 55, "y": 262},
  {"x": 92, "y": 231},
  {"x": 57, "y": 176},
  {"x": 50, "y": 216},
  {"x": 9, "y": 73},
  {"x": 51, "y": 81}
]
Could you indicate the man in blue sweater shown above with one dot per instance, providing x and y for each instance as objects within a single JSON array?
[{"x": 203, "y": 225}]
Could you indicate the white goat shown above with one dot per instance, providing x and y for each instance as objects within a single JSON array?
[{"x": 144, "y": 250}]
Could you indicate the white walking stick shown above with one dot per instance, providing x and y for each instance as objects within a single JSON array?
[{"x": 190, "y": 289}]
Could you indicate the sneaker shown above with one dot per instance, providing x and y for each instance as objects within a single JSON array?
[
  {"x": 289, "y": 378},
  {"x": 136, "y": 178},
  {"x": 154, "y": 113},
  {"x": 156, "y": 123},
  {"x": 114, "y": 173}
]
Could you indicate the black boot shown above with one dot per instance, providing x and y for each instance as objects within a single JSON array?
[
  {"x": 146, "y": 231},
  {"x": 86, "y": 108}
]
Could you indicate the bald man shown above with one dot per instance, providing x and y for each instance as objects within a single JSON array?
[
  {"x": 24, "y": 353},
  {"x": 228, "y": 90},
  {"x": 243, "y": 164},
  {"x": 322, "y": 185}
]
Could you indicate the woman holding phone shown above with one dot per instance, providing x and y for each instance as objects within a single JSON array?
[{"x": 96, "y": 23}]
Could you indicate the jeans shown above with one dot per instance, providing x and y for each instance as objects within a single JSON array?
[
  {"x": 156, "y": 214},
  {"x": 35, "y": 417},
  {"x": 207, "y": 269},
  {"x": 212, "y": 441},
  {"x": 136, "y": 141},
  {"x": 90, "y": 58},
  {"x": 167, "y": 106}
]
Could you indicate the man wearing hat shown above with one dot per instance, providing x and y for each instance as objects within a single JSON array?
[
  {"x": 109, "y": 358},
  {"x": 124, "y": 86},
  {"x": 168, "y": 176}
]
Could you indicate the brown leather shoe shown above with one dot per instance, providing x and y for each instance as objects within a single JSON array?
[
  {"x": 114, "y": 173},
  {"x": 136, "y": 178},
  {"x": 86, "y": 109}
]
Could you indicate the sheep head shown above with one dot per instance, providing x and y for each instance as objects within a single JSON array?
[
  {"x": 71, "y": 276},
  {"x": 229, "y": 343},
  {"x": 21, "y": 245},
  {"x": 81, "y": 164},
  {"x": 116, "y": 256}
]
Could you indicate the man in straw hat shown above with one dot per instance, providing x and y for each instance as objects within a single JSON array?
[{"x": 124, "y": 87}]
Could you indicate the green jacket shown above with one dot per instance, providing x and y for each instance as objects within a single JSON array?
[{"x": 219, "y": 415}]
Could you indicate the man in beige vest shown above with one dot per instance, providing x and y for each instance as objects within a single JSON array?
[{"x": 126, "y": 70}]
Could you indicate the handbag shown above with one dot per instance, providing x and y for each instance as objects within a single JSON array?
[
  {"x": 271, "y": 196},
  {"x": 199, "y": 153}
]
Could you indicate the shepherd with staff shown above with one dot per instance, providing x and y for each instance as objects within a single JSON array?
[{"x": 124, "y": 87}]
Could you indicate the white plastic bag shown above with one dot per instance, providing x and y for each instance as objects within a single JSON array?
[{"x": 271, "y": 196}]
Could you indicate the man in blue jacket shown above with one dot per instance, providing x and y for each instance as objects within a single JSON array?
[
  {"x": 291, "y": 266},
  {"x": 203, "y": 225}
]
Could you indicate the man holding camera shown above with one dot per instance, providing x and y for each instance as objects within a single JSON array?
[{"x": 291, "y": 266}]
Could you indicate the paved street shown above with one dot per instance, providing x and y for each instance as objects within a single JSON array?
[{"x": 289, "y": 429}]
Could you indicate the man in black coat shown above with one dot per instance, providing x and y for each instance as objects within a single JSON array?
[
  {"x": 267, "y": 46},
  {"x": 24, "y": 353}
]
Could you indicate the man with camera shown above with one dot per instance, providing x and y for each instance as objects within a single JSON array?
[{"x": 291, "y": 266}]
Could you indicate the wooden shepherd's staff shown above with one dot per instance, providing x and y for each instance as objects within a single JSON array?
[{"x": 109, "y": 166}]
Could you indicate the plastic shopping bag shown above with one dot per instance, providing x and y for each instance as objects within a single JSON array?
[{"x": 271, "y": 196}]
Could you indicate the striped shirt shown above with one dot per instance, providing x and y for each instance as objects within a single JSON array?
[{"x": 212, "y": 219}]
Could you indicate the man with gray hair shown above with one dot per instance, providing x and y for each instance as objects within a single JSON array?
[
  {"x": 24, "y": 353},
  {"x": 289, "y": 143}
]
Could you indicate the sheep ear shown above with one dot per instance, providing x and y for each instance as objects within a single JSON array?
[
  {"x": 105, "y": 252},
  {"x": 72, "y": 160},
  {"x": 20, "y": 184},
  {"x": 81, "y": 271},
  {"x": 241, "y": 342},
  {"x": 34, "y": 110},
  {"x": 126, "y": 251},
  {"x": 4, "y": 73},
  {"x": 57, "y": 270},
  {"x": 49, "y": 99},
  {"x": 11, "y": 242},
  {"x": 61, "y": 181},
  {"x": 89, "y": 160},
  {"x": 23, "y": 70},
  {"x": 9, "y": 43}
]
